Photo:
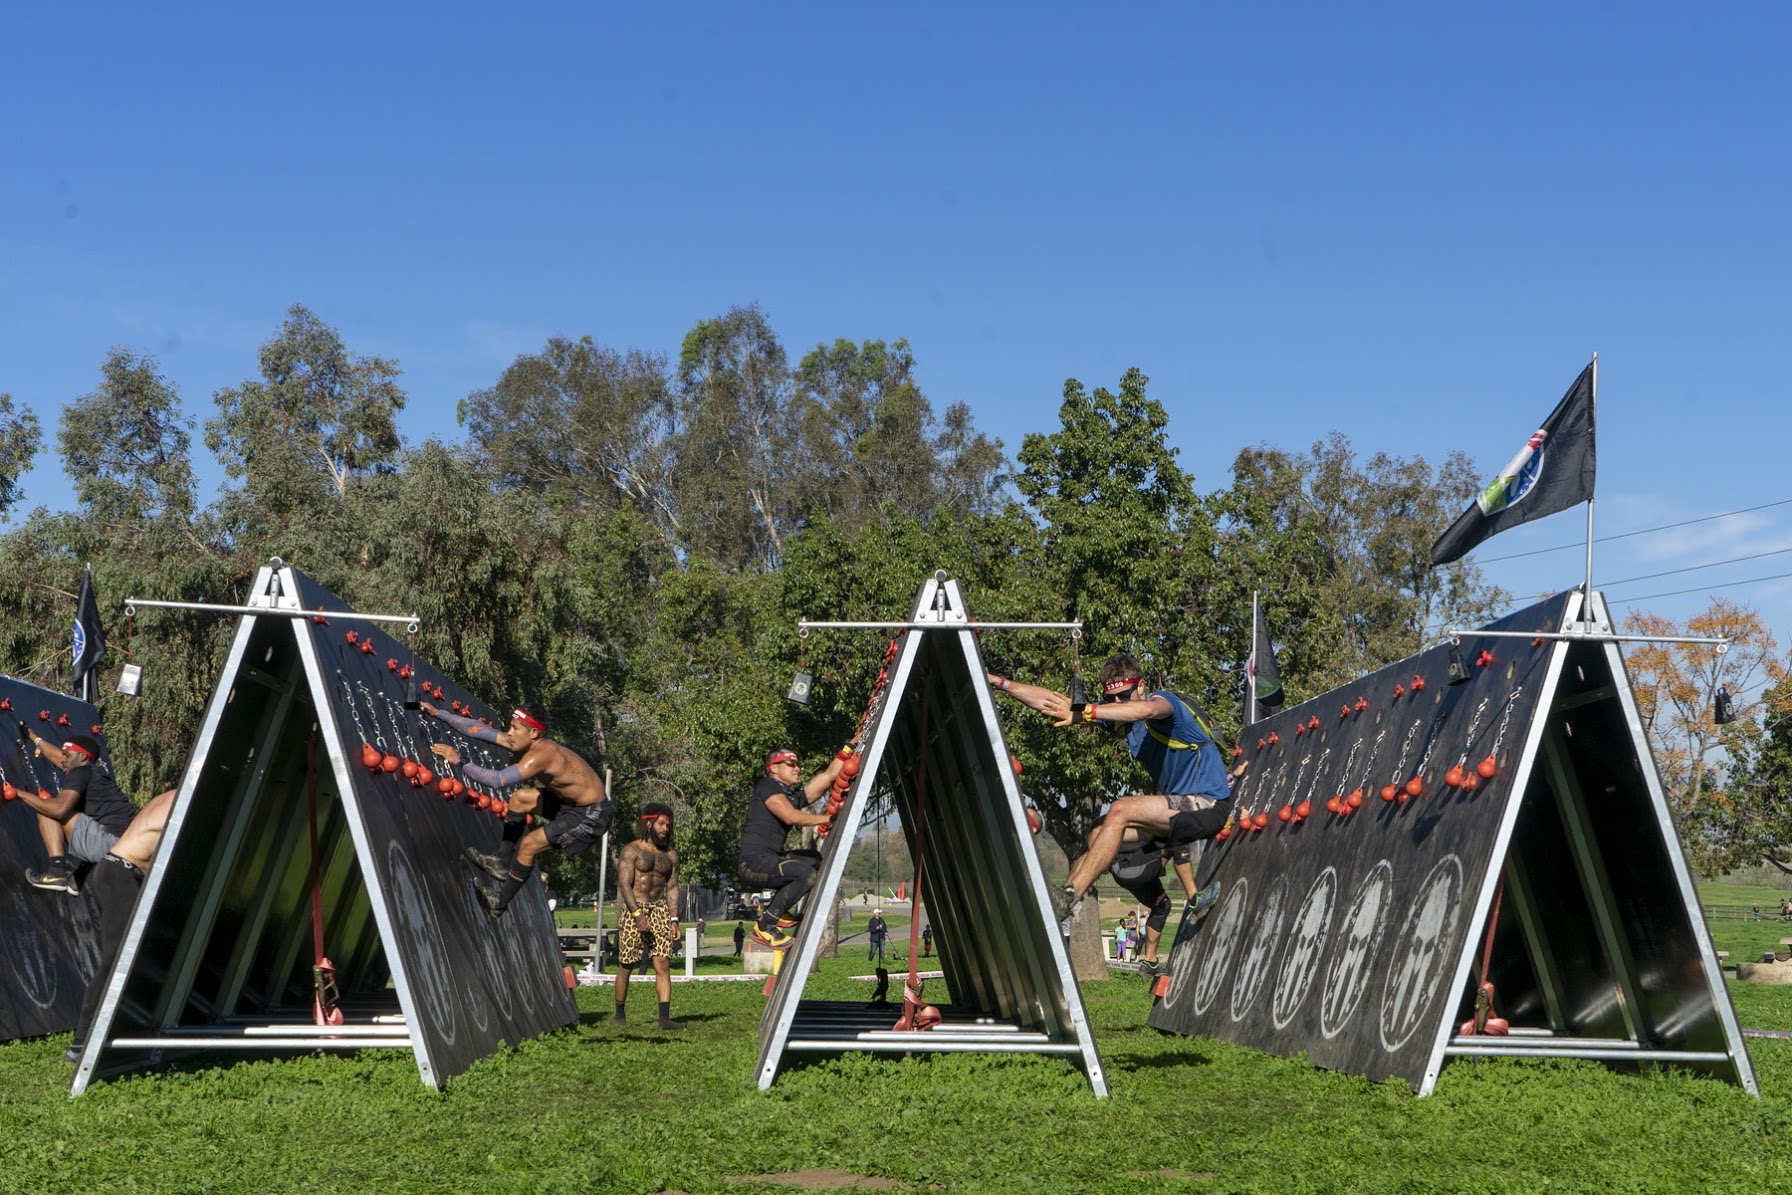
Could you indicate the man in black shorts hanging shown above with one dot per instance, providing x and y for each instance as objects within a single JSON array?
[
  {"x": 764, "y": 863},
  {"x": 85, "y": 817},
  {"x": 567, "y": 792}
]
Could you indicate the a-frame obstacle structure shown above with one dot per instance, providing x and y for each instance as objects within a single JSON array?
[
  {"x": 1526, "y": 796},
  {"x": 220, "y": 955},
  {"x": 48, "y": 940},
  {"x": 934, "y": 744}
]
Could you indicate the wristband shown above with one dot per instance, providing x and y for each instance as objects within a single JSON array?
[
  {"x": 844, "y": 753},
  {"x": 1001, "y": 682},
  {"x": 1089, "y": 713}
]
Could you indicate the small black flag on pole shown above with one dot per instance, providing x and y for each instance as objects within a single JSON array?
[
  {"x": 90, "y": 641},
  {"x": 1263, "y": 680},
  {"x": 1553, "y": 471}
]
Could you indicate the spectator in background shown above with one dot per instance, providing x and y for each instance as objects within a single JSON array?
[
  {"x": 740, "y": 937},
  {"x": 927, "y": 939},
  {"x": 878, "y": 933}
]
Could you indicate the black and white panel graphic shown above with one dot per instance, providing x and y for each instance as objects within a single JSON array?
[
  {"x": 1421, "y": 953},
  {"x": 1305, "y": 947},
  {"x": 1351, "y": 968}
]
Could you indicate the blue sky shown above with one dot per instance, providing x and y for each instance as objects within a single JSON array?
[{"x": 1409, "y": 223}]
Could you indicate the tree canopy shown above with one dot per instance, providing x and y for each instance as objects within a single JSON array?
[{"x": 629, "y": 538}]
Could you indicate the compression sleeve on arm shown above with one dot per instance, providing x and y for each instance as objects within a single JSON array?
[
  {"x": 503, "y": 778},
  {"x": 473, "y": 728}
]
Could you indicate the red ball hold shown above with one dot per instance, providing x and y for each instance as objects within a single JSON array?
[
  {"x": 1225, "y": 833},
  {"x": 409, "y": 768},
  {"x": 389, "y": 763},
  {"x": 1389, "y": 792},
  {"x": 370, "y": 757},
  {"x": 1453, "y": 777},
  {"x": 1334, "y": 804},
  {"x": 1487, "y": 767},
  {"x": 1303, "y": 809},
  {"x": 1415, "y": 786},
  {"x": 1261, "y": 820},
  {"x": 8, "y": 792},
  {"x": 1354, "y": 800},
  {"x": 1286, "y": 813}
]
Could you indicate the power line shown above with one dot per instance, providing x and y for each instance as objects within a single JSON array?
[
  {"x": 1630, "y": 601},
  {"x": 1693, "y": 568},
  {"x": 1602, "y": 539}
]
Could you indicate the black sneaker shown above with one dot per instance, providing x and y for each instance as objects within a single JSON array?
[
  {"x": 491, "y": 865},
  {"x": 669, "y": 1023},
  {"x": 1150, "y": 968},
  {"x": 52, "y": 879},
  {"x": 490, "y": 901}
]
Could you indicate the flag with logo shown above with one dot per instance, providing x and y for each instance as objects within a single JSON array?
[
  {"x": 90, "y": 641},
  {"x": 1262, "y": 679},
  {"x": 1552, "y": 471}
]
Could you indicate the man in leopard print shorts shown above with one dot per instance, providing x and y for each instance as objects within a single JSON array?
[{"x": 647, "y": 886}]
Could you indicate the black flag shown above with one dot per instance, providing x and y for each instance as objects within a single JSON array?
[
  {"x": 90, "y": 641},
  {"x": 1263, "y": 680},
  {"x": 1553, "y": 471}
]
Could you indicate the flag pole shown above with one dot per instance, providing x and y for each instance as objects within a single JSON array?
[
  {"x": 1250, "y": 673},
  {"x": 1592, "y": 414}
]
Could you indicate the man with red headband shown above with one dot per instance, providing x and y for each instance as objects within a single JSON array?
[
  {"x": 567, "y": 792},
  {"x": 764, "y": 863},
  {"x": 1173, "y": 738},
  {"x": 84, "y": 818}
]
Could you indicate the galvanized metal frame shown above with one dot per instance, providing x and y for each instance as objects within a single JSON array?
[
  {"x": 1544, "y": 763},
  {"x": 100, "y": 1031},
  {"x": 983, "y": 889},
  {"x": 257, "y": 951}
]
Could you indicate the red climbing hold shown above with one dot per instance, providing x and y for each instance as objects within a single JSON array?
[
  {"x": 1486, "y": 658},
  {"x": 1389, "y": 792},
  {"x": 1415, "y": 786},
  {"x": 1418, "y": 684},
  {"x": 1487, "y": 767}
]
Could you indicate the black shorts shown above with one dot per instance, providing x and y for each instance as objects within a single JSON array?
[
  {"x": 575, "y": 827},
  {"x": 1197, "y": 824}
]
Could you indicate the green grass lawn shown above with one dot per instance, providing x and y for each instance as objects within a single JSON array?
[{"x": 601, "y": 1108}]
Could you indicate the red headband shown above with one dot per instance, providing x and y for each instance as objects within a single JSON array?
[
  {"x": 781, "y": 757},
  {"x": 80, "y": 748},
  {"x": 520, "y": 716},
  {"x": 1121, "y": 686}
]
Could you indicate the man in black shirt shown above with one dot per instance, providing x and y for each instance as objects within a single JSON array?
[
  {"x": 84, "y": 818},
  {"x": 764, "y": 863}
]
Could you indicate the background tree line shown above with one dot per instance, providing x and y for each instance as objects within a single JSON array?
[{"x": 630, "y": 537}]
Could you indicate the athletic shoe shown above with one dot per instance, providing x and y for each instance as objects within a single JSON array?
[
  {"x": 72, "y": 1054},
  {"x": 669, "y": 1023},
  {"x": 774, "y": 937},
  {"x": 1064, "y": 902},
  {"x": 490, "y": 901},
  {"x": 790, "y": 921},
  {"x": 491, "y": 865},
  {"x": 52, "y": 880},
  {"x": 1150, "y": 968},
  {"x": 1203, "y": 900}
]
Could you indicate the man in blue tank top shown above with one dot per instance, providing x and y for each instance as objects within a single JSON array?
[{"x": 1173, "y": 738}]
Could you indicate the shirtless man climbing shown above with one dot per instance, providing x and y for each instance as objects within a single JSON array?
[
  {"x": 567, "y": 793},
  {"x": 647, "y": 886}
]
